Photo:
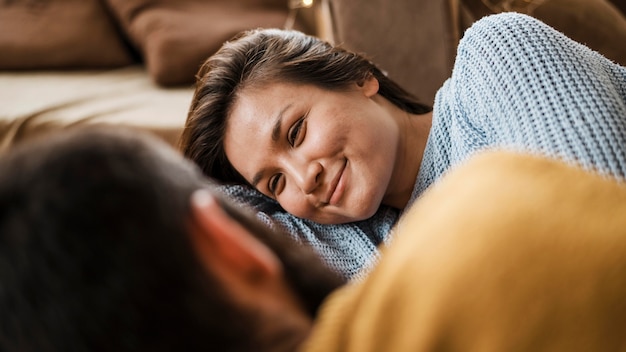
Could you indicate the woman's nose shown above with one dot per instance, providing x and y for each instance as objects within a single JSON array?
[{"x": 307, "y": 176}]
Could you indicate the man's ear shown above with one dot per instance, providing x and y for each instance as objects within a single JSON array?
[{"x": 223, "y": 244}]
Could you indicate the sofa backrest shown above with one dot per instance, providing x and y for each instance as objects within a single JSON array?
[{"x": 414, "y": 41}]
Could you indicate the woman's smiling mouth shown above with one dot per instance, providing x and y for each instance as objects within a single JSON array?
[{"x": 337, "y": 186}]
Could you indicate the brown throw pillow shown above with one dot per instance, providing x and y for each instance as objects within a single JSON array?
[
  {"x": 176, "y": 36},
  {"x": 47, "y": 34},
  {"x": 599, "y": 24},
  {"x": 596, "y": 23},
  {"x": 620, "y": 5}
]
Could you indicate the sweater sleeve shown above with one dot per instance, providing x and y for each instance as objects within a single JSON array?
[
  {"x": 519, "y": 84},
  {"x": 351, "y": 248}
]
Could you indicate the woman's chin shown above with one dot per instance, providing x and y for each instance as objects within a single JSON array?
[
  {"x": 362, "y": 214},
  {"x": 338, "y": 216},
  {"x": 343, "y": 219}
]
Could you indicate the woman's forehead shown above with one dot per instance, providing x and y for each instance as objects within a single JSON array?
[{"x": 269, "y": 100}]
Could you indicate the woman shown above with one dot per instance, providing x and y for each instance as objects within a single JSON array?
[
  {"x": 324, "y": 133},
  {"x": 312, "y": 108}
]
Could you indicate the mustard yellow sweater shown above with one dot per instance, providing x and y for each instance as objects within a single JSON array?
[{"x": 507, "y": 253}]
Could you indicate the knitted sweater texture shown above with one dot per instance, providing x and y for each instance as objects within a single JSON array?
[
  {"x": 350, "y": 248},
  {"x": 517, "y": 84}
]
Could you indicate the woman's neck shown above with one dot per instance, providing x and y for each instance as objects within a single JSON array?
[{"x": 413, "y": 134}]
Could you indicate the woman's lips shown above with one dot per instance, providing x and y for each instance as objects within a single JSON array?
[{"x": 338, "y": 186}]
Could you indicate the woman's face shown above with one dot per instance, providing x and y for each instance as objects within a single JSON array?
[{"x": 323, "y": 155}]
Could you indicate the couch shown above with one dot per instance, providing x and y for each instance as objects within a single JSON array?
[
  {"x": 125, "y": 62},
  {"x": 415, "y": 41},
  {"x": 133, "y": 62}
]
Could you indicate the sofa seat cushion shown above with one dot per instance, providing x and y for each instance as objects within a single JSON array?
[{"x": 34, "y": 103}]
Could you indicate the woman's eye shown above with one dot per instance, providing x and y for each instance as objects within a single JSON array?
[
  {"x": 296, "y": 133},
  {"x": 274, "y": 183}
]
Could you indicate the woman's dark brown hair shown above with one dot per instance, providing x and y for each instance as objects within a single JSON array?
[{"x": 262, "y": 56}]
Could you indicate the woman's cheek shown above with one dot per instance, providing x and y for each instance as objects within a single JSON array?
[
  {"x": 317, "y": 135},
  {"x": 295, "y": 204}
]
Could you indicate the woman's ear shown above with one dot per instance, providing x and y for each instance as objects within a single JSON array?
[
  {"x": 223, "y": 244},
  {"x": 369, "y": 86}
]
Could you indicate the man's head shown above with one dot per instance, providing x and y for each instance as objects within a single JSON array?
[{"x": 101, "y": 248}]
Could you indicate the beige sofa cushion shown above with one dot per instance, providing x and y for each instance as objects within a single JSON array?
[
  {"x": 59, "y": 34},
  {"x": 34, "y": 103}
]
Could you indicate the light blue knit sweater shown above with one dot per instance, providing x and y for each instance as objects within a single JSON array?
[{"x": 516, "y": 84}]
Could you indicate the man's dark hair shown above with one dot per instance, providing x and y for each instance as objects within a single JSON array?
[{"x": 95, "y": 253}]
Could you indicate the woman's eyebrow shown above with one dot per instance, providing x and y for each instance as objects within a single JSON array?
[
  {"x": 257, "y": 178},
  {"x": 278, "y": 123}
]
